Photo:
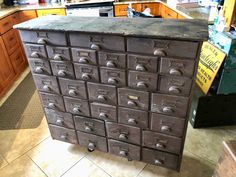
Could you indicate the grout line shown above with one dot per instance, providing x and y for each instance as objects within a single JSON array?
[
  {"x": 36, "y": 165},
  {"x": 142, "y": 170}
]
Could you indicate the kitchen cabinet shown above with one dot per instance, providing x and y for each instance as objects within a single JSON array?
[
  {"x": 167, "y": 12},
  {"x": 179, "y": 16},
  {"x": 58, "y": 11},
  {"x": 121, "y": 9},
  {"x": 26, "y": 15},
  {"x": 154, "y": 7}
]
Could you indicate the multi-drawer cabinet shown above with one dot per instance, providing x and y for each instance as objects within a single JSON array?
[{"x": 113, "y": 88}]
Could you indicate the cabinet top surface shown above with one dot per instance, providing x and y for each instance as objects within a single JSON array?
[{"x": 189, "y": 29}]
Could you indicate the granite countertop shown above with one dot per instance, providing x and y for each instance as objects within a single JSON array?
[{"x": 190, "y": 29}]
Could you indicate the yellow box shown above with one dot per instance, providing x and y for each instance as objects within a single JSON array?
[{"x": 58, "y": 11}]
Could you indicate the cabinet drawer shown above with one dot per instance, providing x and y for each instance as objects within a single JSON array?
[
  {"x": 44, "y": 37},
  {"x": 167, "y": 124},
  {"x": 86, "y": 72},
  {"x": 73, "y": 88},
  {"x": 133, "y": 98},
  {"x": 63, "y": 134},
  {"x": 58, "y": 53},
  {"x": 162, "y": 142},
  {"x": 142, "y": 63},
  {"x": 104, "y": 112},
  {"x": 62, "y": 69},
  {"x": 160, "y": 158},
  {"x": 102, "y": 93},
  {"x": 35, "y": 51},
  {"x": 113, "y": 76},
  {"x": 98, "y": 42},
  {"x": 77, "y": 106},
  {"x": 169, "y": 13},
  {"x": 11, "y": 41},
  {"x": 92, "y": 142},
  {"x": 46, "y": 83},
  {"x": 170, "y": 105},
  {"x": 142, "y": 80},
  {"x": 123, "y": 132},
  {"x": 52, "y": 101},
  {"x": 112, "y": 60},
  {"x": 39, "y": 66},
  {"x": 90, "y": 125},
  {"x": 18, "y": 60},
  {"x": 174, "y": 85},
  {"x": 84, "y": 56},
  {"x": 122, "y": 149},
  {"x": 177, "y": 67},
  {"x": 163, "y": 47},
  {"x": 6, "y": 24},
  {"x": 62, "y": 119}
]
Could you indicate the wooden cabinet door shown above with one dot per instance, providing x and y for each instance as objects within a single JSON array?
[
  {"x": 27, "y": 15},
  {"x": 167, "y": 12},
  {"x": 121, "y": 9}
]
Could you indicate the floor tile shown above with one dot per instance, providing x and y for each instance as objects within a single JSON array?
[
  {"x": 3, "y": 162},
  {"x": 192, "y": 166},
  {"x": 14, "y": 143},
  {"x": 56, "y": 157},
  {"x": 116, "y": 166},
  {"x": 22, "y": 167},
  {"x": 85, "y": 168}
]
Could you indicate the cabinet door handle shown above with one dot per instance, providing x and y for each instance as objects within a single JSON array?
[
  {"x": 46, "y": 88},
  {"x": 123, "y": 136},
  {"x": 141, "y": 85},
  {"x": 165, "y": 128},
  {"x": 111, "y": 64},
  {"x": 58, "y": 57},
  {"x": 42, "y": 41},
  {"x": 175, "y": 72},
  {"x": 76, "y": 110},
  {"x": 159, "y": 52},
  {"x": 39, "y": 69},
  {"x": 112, "y": 80},
  {"x": 61, "y": 73},
  {"x": 35, "y": 54},
  {"x": 174, "y": 89},
  {"x": 83, "y": 60},
  {"x": 132, "y": 121},
  {"x": 101, "y": 98},
  {"x": 51, "y": 105},
  {"x": 86, "y": 76},
  {"x": 140, "y": 67}
]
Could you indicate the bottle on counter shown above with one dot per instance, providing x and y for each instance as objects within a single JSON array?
[{"x": 130, "y": 13}]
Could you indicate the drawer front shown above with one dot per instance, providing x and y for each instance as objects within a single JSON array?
[
  {"x": 133, "y": 117},
  {"x": 122, "y": 149},
  {"x": 102, "y": 93},
  {"x": 112, "y": 60},
  {"x": 18, "y": 60},
  {"x": 167, "y": 124},
  {"x": 6, "y": 24},
  {"x": 175, "y": 85},
  {"x": 73, "y": 88},
  {"x": 62, "y": 119},
  {"x": 104, "y": 112},
  {"x": 163, "y": 47},
  {"x": 142, "y": 63},
  {"x": 35, "y": 51},
  {"x": 46, "y": 83},
  {"x": 123, "y": 132},
  {"x": 39, "y": 66},
  {"x": 92, "y": 142},
  {"x": 170, "y": 105},
  {"x": 84, "y": 56},
  {"x": 62, "y": 69},
  {"x": 77, "y": 106},
  {"x": 142, "y": 80},
  {"x": 90, "y": 125},
  {"x": 58, "y": 53},
  {"x": 113, "y": 76},
  {"x": 52, "y": 101},
  {"x": 160, "y": 158},
  {"x": 133, "y": 98},
  {"x": 177, "y": 67},
  {"x": 44, "y": 37},
  {"x": 63, "y": 134},
  {"x": 86, "y": 72},
  {"x": 11, "y": 41},
  {"x": 162, "y": 142},
  {"x": 97, "y": 42}
]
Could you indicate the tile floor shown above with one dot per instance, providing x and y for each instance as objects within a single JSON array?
[{"x": 32, "y": 153}]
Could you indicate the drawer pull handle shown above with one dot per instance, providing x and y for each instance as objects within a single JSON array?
[
  {"x": 165, "y": 128},
  {"x": 91, "y": 147},
  {"x": 46, "y": 88},
  {"x": 51, "y": 105},
  {"x": 58, "y": 57},
  {"x": 86, "y": 76},
  {"x": 112, "y": 80},
  {"x": 141, "y": 85},
  {"x": 159, "y": 145},
  {"x": 72, "y": 92},
  {"x": 83, "y": 60},
  {"x": 42, "y": 41},
  {"x": 35, "y": 55},
  {"x": 101, "y": 98},
  {"x": 132, "y": 121},
  {"x": 103, "y": 115},
  {"x": 111, "y": 64},
  {"x": 88, "y": 129},
  {"x": 39, "y": 70},
  {"x": 174, "y": 89},
  {"x": 5, "y": 24},
  {"x": 123, "y": 153},
  {"x": 140, "y": 68},
  {"x": 123, "y": 136},
  {"x": 167, "y": 110},
  {"x": 59, "y": 121},
  {"x": 76, "y": 110},
  {"x": 95, "y": 47},
  {"x": 64, "y": 137},
  {"x": 175, "y": 72},
  {"x": 159, "y": 52},
  {"x": 131, "y": 103},
  {"x": 158, "y": 162},
  {"x": 61, "y": 73}
]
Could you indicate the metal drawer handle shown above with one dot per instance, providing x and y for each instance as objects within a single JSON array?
[
  {"x": 111, "y": 64},
  {"x": 158, "y": 162},
  {"x": 72, "y": 92},
  {"x": 132, "y": 121},
  {"x": 159, "y": 145},
  {"x": 131, "y": 103},
  {"x": 76, "y": 110},
  {"x": 83, "y": 60},
  {"x": 95, "y": 47},
  {"x": 103, "y": 115},
  {"x": 46, "y": 88},
  {"x": 101, "y": 98},
  {"x": 140, "y": 67},
  {"x": 86, "y": 76},
  {"x": 175, "y": 72},
  {"x": 61, "y": 73},
  {"x": 58, "y": 57},
  {"x": 112, "y": 80},
  {"x": 123, "y": 153},
  {"x": 167, "y": 110},
  {"x": 39, "y": 69},
  {"x": 42, "y": 41},
  {"x": 88, "y": 129},
  {"x": 165, "y": 128},
  {"x": 91, "y": 147},
  {"x": 159, "y": 52},
  {"x": 51, "y": 105},
  {"x": 123, "y": 136},
  {"x": 59, "y": 121},
  {"x": 35, "y": 54},
  {"x": 174, "y": 89},
  {"x": 141, "y": 85},
  {"x": 64, "y": 137}
]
